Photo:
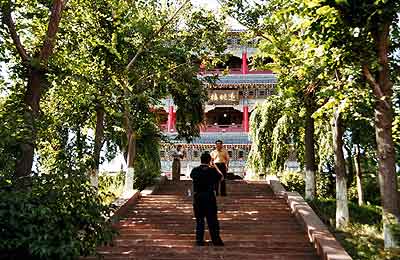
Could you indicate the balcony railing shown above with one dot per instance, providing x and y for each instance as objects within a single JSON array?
[
  {"x": 233, "y": 71},
  {"x": 214, "y": 128},
  {"x": 223, "y": 128}
]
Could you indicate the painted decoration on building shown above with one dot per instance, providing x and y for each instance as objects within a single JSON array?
[{"x": 223, "y": 97}]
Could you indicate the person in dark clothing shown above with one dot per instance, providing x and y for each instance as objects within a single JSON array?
[{"x": 204, "y": 201}]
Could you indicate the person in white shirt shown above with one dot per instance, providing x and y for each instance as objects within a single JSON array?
[
  {"x": 220, "y": 158},
  {"x": 176, "y": 163}
]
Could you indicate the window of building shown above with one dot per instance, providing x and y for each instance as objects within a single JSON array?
[
  {"x": 233, "y": 41},
  {"x": 241, "y": 154},
  {"x": 251, "y": 93},
  {"x": 195, "y": 154},
  {"x": 262, "y": 92},
  {"x": 230, "y": 154},
  {"x": 162, "y": 153}
]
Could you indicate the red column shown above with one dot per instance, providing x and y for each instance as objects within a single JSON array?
[
  {"x": 246, "y": 118},
  {"x": 170, "y": 125},
  {"x": 244, "y": 62},
  {"x": 174, "y": 120}
]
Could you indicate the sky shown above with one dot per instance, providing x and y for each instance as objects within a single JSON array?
[{"x": 212, "y": 4}]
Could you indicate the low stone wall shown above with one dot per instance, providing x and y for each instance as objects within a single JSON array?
[
  {"x": 326, "y": 244},
  {"x": 122, "y": 205}
]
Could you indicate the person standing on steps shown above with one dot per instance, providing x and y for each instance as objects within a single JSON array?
[
  {"x": 220, "y": 158},
  {"x": 177, "y": 155},
  {"x": 204, "y": 179}
]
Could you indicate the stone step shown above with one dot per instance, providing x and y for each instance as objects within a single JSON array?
[
  {"x": 206, "y": 252},
  {"x": 193, "y": 250},
  {"x": 264, "y": 221},
  {"x": 184, "y": 219},
  {"x": 288, "y": 237},
  {"x": 254, "y": 224},
  {"x": 185, "y": 229},
  {"x": 236, "y": 245}
]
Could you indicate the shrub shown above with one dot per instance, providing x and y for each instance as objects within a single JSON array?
[
  {"x": 111, "y": 186},
  {"x": 325, "y": 185},
  {"x": 366, "y": 214},
  {"x": 54, "y": 216},
  {"x": 292, "y": 181},
  {"x": 370, "y": 187},
  {"x": 362, "y": 238}
]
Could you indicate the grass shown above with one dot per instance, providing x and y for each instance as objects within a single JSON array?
[{"x": 362, "y": 238}]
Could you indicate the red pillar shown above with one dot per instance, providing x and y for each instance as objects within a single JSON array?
[
  {"x": 170, "y": 125},
  {"x": 246, "y": 118},
  {"x": 244, "y": 63}
]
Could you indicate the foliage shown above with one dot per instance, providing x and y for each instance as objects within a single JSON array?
[
  {"x": 331, "y": 49},
  {"x": 371, "y": 186},
  {"x": 325, "y": 183},
  {"x": 362, "y": 239},
  {"x": 56, "y": 216},
  {"x": 293, "y": 181},
  {"x": 12, "y": 130},
  {"x": 275, "y": 127},
  {"x": 110, "y": 186},
  {"x": 365, "y": 243},
  {"x": 148, "y": 161}
]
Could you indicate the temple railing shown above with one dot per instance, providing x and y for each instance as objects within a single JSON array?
[
  {"x": 233, "y": 71},
  {"x": 223, "y": 128},
  {"x": 214, "y": 128}
]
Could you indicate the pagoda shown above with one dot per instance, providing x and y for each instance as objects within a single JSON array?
[{"x": 231, "y": 99}]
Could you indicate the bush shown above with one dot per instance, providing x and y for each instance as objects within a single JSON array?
[
  {"x": 366, "y": 214},
  {"x": 111, "y": 186},
  {"x": 370, "y": 187},
  {"x": 293, "y": 181},
  {"x": 362, "y": 239},
  {"x": 325, "y": 185},
  {"x": 54, "y": 216},
  {"x": 145, "y": 172}
]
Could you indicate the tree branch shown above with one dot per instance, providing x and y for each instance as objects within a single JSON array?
[
  {"x": 149, "y": 41},
  {"x": 8, "y": 21},
  {"x": 371, "y": 80},
  {"x": 49, "y": 42},
  {"x": 169, "y": 70},
  {"x": 377, "y": 89}
]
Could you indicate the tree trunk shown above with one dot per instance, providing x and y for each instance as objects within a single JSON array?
[
  {"x": 128, "y": 187},
  {"x": 309, "y": 151},
  {"x": 342, "y": 210},
  {"x": 383, "y": 89},
  {"x": 79, "y": 143},
  {"x": 357, "y": 163},
  {"x": 387, "y": 170},
  {"x": 31, "y": 100},
  {"x": 98, "y": 144},
  {"x": 36, "y": 78},
  {"x": 349, "y": 164}
]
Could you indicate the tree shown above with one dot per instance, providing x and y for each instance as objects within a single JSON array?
[
  {"x": 274, "y": 24},
  {"x": 34, "y": 68},
  {"x": 370, "y": 24}
]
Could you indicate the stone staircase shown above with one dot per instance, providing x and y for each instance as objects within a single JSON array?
[{"x": 254, "y": 225}]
